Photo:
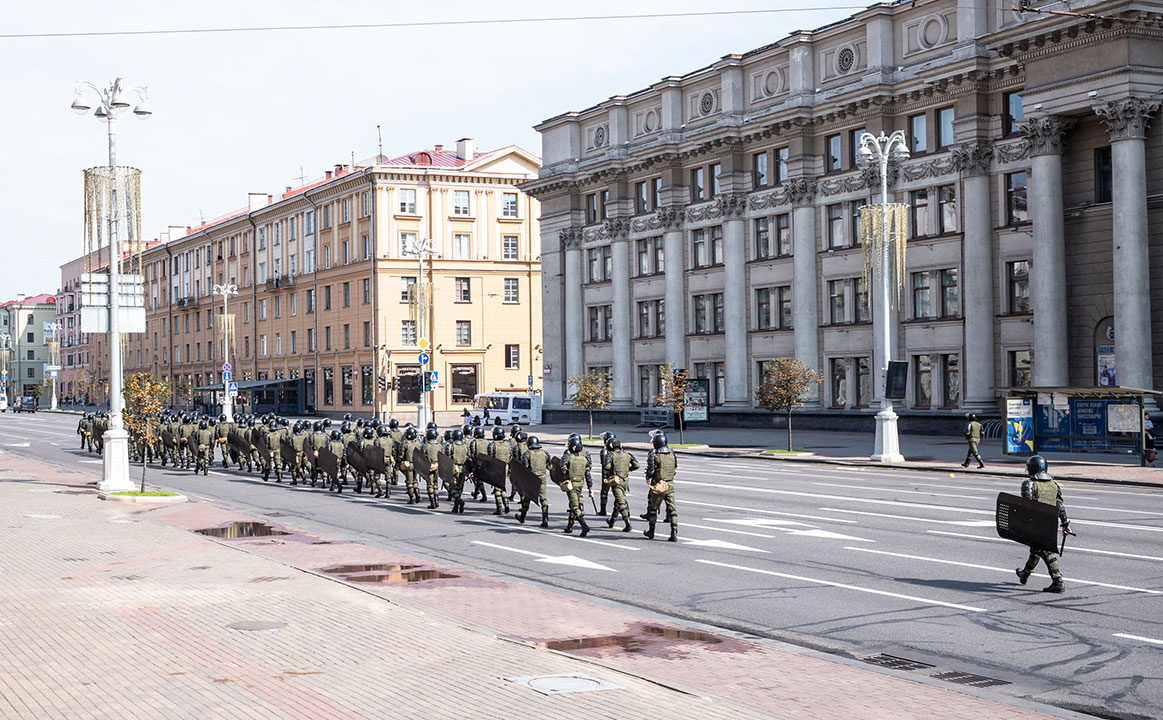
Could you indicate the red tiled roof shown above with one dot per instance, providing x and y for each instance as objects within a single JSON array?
[
  {"x": 42, "y": 299},
  {"x": 446, "y": 159}
]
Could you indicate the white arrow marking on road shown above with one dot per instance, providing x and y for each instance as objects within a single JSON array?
[
  {"x": 721, "y": 545},
  {"x": 761, "y": 523},
  {"x": 825, "y": 534},
  {"x": 571, "y": 560},
  {"x": 963, "y": 523},
  {"x": 813, "y": 531},
  {"x": 767, "y": 512},
  {"x": 16, "y": 444}
]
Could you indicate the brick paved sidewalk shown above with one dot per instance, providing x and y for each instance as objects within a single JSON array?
[{"x": 111, "y": 611}]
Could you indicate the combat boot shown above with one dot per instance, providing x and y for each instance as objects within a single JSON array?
[
  {"x": 585, "y": 529},
  {"x": 1057, "y": 586},
  {"x": 602, "y": 511},
  {"x": 505, "y": 502},
  {"x": 1023, "y": 575},
  {"x": 434, "y": 499},
  {"x": 980, "y": 464},
  {"x": 610, "y": 521},
  {"x": 569, "y": 525},
  {"x": 649, "y": 532},
  {"x": 544, "y": 517},
  {"x": 521, "y": 515},
  {"x": 673, "y": 531},
  {"x": 626, "y": 519}
]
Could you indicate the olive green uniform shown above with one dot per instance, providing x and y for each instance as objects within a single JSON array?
[
  {"x": 407, "y": 448},
  {"x": 458, "y": 451},
  {"x": 538, "y": 463},
  {"x": 1044, "y": 489},
  {"x": 85, "y": 430},
  {"x": 502, "y": 451},
  {"x": 619, "y": 465},
  {"x": 389, "y": 447},
  {"x": 431, "y": 451},
  {"x": 298, "y": 463},
  {"x": 205, "y": 440},
  {"x": 479, "y": 446},
  {"x": 274, "y": 458},
  {"x": 221, "y": 438},
  {"x": 318, "y": 442},
  {"x": 661, "y": 468},
  {"x": 973, "y": 437},
  {"x": 398, "y": 444},
  {"x": 576, "y": 467}
]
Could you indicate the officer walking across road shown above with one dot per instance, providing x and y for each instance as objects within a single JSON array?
[
  {"x": 603, "y": 454},
  {"x": 458, "y": 451},
  {"x": 1041, "y": 486},
  {"x": 537, "y": 460},
  {"x": 973, "y": 437},
  {"x": 431, "y": 450},
  {"x": 619, "y": 465},
  {"x": 661, "y": 468},
  {"x": 502, "y": 451},
  {"x": 576, "y": 466}
]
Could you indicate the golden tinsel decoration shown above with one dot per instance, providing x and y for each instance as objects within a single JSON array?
[
  {"x": 873, "y": 219},
  {"x": 113, "y": 193},
  {"x": 226, "y": 328}
]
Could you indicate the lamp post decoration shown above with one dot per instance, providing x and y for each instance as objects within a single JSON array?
[
  {"x": 420, "y": 248},
  {"x": 883, "y": 229},
  {"x": 226, "y": 325},
  {"x": 109, "y": 192}
]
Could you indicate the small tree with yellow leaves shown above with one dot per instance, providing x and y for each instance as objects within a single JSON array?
[
  {"x": 785, "y": 383},
  {"x": 591, "y": 392},
  {"x": 673, "y": 385},
  {"x": 144, "y": 397}
]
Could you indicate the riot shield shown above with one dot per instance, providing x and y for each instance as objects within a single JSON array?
[
  {"x": 528, "y": 484},
  {"x": 327, "y": 462},
  {"x": 192, "y": 444},
  {"x": 421, "y": 463},
  {"x": 288, "y": 450},
  {"x": 373, "y": 457},
  {"x": 445, "y": 467},
  {"x": 258, "y": 438},
  {"x": 355, "y": 458},
  {"x": 556, "y": 471},
  {"x": 1028, "y": 522},
  {"x": 168, "y": 439},
  {"x": 490, "y": 471},
  {"x": 238, "y": 443}
]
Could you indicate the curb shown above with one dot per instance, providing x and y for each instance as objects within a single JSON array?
[{"x": 144, "y": 499}]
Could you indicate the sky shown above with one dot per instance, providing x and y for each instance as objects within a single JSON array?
[{"x": 242, "y": 112}]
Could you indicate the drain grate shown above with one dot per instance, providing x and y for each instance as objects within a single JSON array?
[
  {"x": 964, "y": 678},
  {"x": 564, "y": 683},
  {"x": 896, "y": 663}
]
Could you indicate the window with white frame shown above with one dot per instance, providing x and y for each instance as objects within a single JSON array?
[
  {"x": 512, "y": 291},
  {"x": 460, "y": 204},
  {"x": 509, "y": 205},
  {"x": 408, "y": 201},
  {"x": 512, "y": 357},
  {"x": 407, "y": 242},
  {"x": 461, "y": 246},
  {"x": 509, "y": 247},
  {"x": 463, "y": 332}
]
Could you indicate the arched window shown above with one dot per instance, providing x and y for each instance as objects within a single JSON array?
[{"x": 30, "y": 320}]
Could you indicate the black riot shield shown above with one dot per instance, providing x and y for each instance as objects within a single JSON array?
[
  {"x": 258, "y": 438},
  {"x": 355, "y": 458},
  {"x": 556, "y": 471},
  {"x": 445, "y": 467},
  {"x": 192, "y": 444},
  {"x": 421, "y": 463},
  {"x": 238, "y": 443},
  {"x": 327, "y": 463},
  {"x": 490, "y": 471},
  {"x": 288, "y": 449},
  {"x": 373, "y": 457},
  {"x": 168, "y": 439},
  {"x": 528, "y": 484},
  {"x": 1028, "y": 522}
]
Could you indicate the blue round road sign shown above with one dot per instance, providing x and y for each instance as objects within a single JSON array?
[{"x": 423, "y": 359}]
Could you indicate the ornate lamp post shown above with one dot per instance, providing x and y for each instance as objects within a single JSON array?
[
  {"x": 420, "y": 248},
  {"x": 884, "y": 247},
  {"x": 54, "y": 359},
  {"x": 227, "y": 334},
  {"x": 113, "y": 100}
]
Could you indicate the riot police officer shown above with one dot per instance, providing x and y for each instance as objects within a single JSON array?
[
  {"x": 973, "y": 437},
  {"x": 1041, "y": 486},
  {"x": 575, "y": 463},
  {"x": 477, "y": 448},
  {"x": 603, "y": 454},
  {"x": 661, "y": 468},
  {"x": 502, "y": 451},
  {"x": 431, "y": 449},
  {"x": 458, "y": 451},
  {"x": 407, "y": 454},
  {"x": 619, "y": 465},
  {"x": 537, "y": 460}
]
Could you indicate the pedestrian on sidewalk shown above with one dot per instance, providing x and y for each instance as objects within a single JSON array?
[
  {"x": 1041, "y": 486},
  {"x": 973, "y": 437}
]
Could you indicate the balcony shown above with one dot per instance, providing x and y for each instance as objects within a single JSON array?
[
  {"x": 281, "y": 281},
  {"x": 187, "y": 302}
]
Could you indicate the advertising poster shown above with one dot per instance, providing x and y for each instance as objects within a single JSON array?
[
  {"x": 1106, "y": 366},
  {"x": 697, "y": 400},
  {"x": 1019, "y": 425}
]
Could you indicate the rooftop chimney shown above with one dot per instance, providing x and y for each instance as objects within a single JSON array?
[
  {"x": 256, "y": 201},
  {"x": 439, "y": 148},
  {"x": 20, "y": 297},
  {"x": 327, "y": 175},
  {"x": 287, "y": 191},
  {"x": 466, "y": 149}
]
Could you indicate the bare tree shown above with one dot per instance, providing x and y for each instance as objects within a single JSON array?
[
  {"x": 592, "y": 392},
  {"x": 673, "y": 387},
  {"x": 144, "y": 396},
  {"x": 785, "y": 383}
]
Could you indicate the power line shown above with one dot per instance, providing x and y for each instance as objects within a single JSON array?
[{"x": 422, "y": 24}]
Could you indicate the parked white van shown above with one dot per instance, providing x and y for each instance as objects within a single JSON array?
[{"x": 511, "y": 407}]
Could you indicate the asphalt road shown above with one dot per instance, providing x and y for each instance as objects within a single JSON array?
[{"x": 852, "y": 561}]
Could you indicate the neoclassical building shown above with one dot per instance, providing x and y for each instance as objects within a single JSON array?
[{"x": 712, "y": 219}]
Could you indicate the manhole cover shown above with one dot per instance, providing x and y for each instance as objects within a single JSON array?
[
  {"x": 257, "y": 625},
  {"x": 43, "y": 517},
  {"x": 896, "y": 663},
  {"x": 564, "y": 683}
]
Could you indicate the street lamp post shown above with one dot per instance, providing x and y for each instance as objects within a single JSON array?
[
  {"x": 112, "y": 101},
  {"x": 420, "y": 248},
  {"x": 5, "y": 356},
  {"x": 880, "y": 150},
  {"x": 54, "y": 353},
  {"x": 227, "y": 401}
]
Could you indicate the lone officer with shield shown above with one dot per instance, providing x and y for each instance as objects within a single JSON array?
[{"x": 1041, "y": 486}]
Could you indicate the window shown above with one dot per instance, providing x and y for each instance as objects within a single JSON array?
[
  {"x": 781, "y": 157},
  {"x": 950, "y": 380},
  {"x": 603, "y": 204},
  {"x": 947, "y": 209},
  {"x": 591, "y": 208},
  {"x": 260, "y": 243},
  {"x": 365, "y": 207},
  {"x": 262, "y": 310},
  {"x": 835, "y": 219},
  {"x": 278, "y": 345},
  {"x": 944, "y": 127},
  {"x": 762, "y": 238},
  {"x": 311, "y": 301},
  {"x": 367, "y": 334},
  {"x": 327, "y": 338},
  {"x": 918, "y": 133},
  {"x": 326, "y": 257},
  {"x": 464, "y": 383},
  {"x": 509, "y": 205},
  {"x": 832, "y": 154},
  {"x": 1103, "y": 175},
  {"x": 261, "y": 277},
  {"x": 309, "y": 260},
  {"x": 838, "y": 381},
  {"x": 783, "y": 235},
  {"x": 699, "y": 248},
  {"x": 294, "y": 304},
  {"x": 262, "y": 345},
  {"x": 512, "y": 357},
  {"x": 593, "y": 268},
  {"x": 309, "y": 224},
  {"x": 463, "y": 332},
  {"x": 1018, "y": 212},
  {"x": 407, "y": 242},
  {"x": 346, "y": 205},
  {"x": 346, "y": 294},
  {"x": 327, "y": 297},
  {"x": 1018, "y": 282},
  {"x": 698, "y": 184},
  {"x": 855, "y": 147},
  {"x": 512, "y": 290},
  {"x": 919, "y": 213},
  {"x": 278, "y": 307},
  {"x": 407, "y": 201},
  {"x": 461, "y": 246},
  {"x": 509, "y": 247},
  {"x": 1014, "y": 113},
  {"x": 643, "y": 255},
  {"x": 607, "y": 263},
  {"x": 460, "y": 202},
  {"x": 463, "y": 289},
  {"x": 763, "y": 308},
  {"x": 644, "y": 397},
  {"x": 294, "y": 344},
  {"x": 863, "y": 310},
  {"x": 716, "y": 171},
  {"x": 326, "y": 216},
  {"x": 857, "y": 231},
  {"x": 345, "y": 374},
  {"x": 950, "y": 296},
  {"x": 1020, "y": 364},
  {"x": 656, "y": 193},
  {"x": 659, "y": 255},
  {"x": 759, "y": 170},
  {"x": 367, "y": 291},
  {"x": 311, "y": 340},
  {"x": 641, "y": 203},
  {"x": 366, "y": 386},
  {"x": 406, "y": 285},
  {"x": 346, "y": 336},
  {"x": 920, "y": 285},
  {"x": 836, "y": 313},
  {"x": 407, "y": 332},
  {"x": 922, "y": 382},
  {"x": 643, "y": 318},
  {"x": 595, "y": 324},
  {"x": 367, "y": 251},
  {"x": 659, "y": 318},
  {"x": 863, "y": 383},
  {"x": 783, "y": 317},
  {"x": 717, "y": 303}
]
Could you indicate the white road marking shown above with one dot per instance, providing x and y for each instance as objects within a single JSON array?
[
  {"x": 725, "y": 530},
  {"x": 563, "y": 536},
  {"x": 1073, "y": 548},
  {"x": 997, "y": 569},
  {"x": 88, "y": 461},
  {"x": 761, "y": 522},
  {"x": 767, "y": 512},
  {"x": 1140, "y": 638},
  {"x": 963, "y": 523},
  {"x": 845, "y": 586},
  {"x": 1115, "y": 510},
  {"x": 721, "y": 545},
  {"x": 895, "y": 490},
  {"x": 17, "y": 444},
  {"x": 845, "y": 498},
  {"x": 570, "y": 560}
]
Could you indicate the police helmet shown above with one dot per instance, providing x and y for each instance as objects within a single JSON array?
[
  {"x": 497, "y": 421},
  {"x": 972, "y": 417},
  {"x": 1035, "y": 464},
  {"x": 202, "y": 425},
  {"x": 659, "y": 440},
  {"x": 457, "y": 435},
  {"x": 222, "y": 417},
  {"x": 534, "y": 443},
  {"x": 382, "y": 430},
  {"x": 606, "y": 436},
  {"x": 575, "y": 444},
  {"x": 476, "y": 420},
  {"x": 432, "y": 435},
  {"x": 498, "y": 433},
  {"x": 609, "y": 441},
  {"x": 522, "y": 436},
  {"x": 284, "y": 421},
  {"x": 466, "y": 430},
  {"x": 447, "y": 436},
  {"x": 326, "y": 422},
  {"x": 615, "y": 444},
  {"x": 409, "y": 433},
  {"x": 347, "y": 416},
  {"x": 250, "y": 422},
  {"x": 431, "y": 425},
  {"x": 393, "y": 424},
  {"x": 273, "y": 423},
  {"x": 368, "y": 433},
  {"x": 478, "y": 432},
  {"x": 514, "y": 430},
  {"x": 360, "y": 423},
  {"x": 346, "y": 426},
  {"x": 317, "y": 426},
  {"x": 336, "y": 435}
]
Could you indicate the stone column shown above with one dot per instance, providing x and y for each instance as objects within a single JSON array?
[
  {"x": 574, "y": 322},
  {"x": 977, "y": 271},
  {"x": 672, "y": 251},
  {"x": 1127, "y": 121},
  {"x": 805, "y": 285},
  {"x": 621, "y": 369},
  {"x": 1048, "y": 274},
  {"x": 737, "y": 351}
]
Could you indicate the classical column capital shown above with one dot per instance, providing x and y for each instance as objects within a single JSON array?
[
  {"x": 973, "y": 158},
  {"x": 1045, "y": 134},
  {"x": 570, "y": 237},
  {"x": 1127, "y": 119},
  {"x": 799, "y": 191},
  {"x": 732, "y": 205}
]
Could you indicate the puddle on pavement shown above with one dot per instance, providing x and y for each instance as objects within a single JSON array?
[
  {"x": 641, "y": 640},
  {"x": 379, "y": 574},
  {"x": 237, "y": 530},
  {"x": 353, "y": 569}
]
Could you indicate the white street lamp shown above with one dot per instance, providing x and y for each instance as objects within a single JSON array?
[
  {"x": 54, "y": 356},
  {"x": 111, "y": 102},
  {"x": 881, "y": 150},
  {"x": 420, "y": 248},
  {"x": 227, "y": 401}
]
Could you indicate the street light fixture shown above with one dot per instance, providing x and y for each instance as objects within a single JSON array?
[
  {"x": 111, "y": 102},
  {"x": 880, "y": 150},
  {"x": 227, "y": 329}
]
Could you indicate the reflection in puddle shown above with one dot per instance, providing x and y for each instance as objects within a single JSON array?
[
  {"x": 241, "y": 530},
  {"x": 386, "y": 573},
  {"x": 631, "y": 643},
  {"x": 352, "y": 569}
]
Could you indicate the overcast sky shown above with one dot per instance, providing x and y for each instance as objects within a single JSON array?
[{"x": 242, "y": 112}]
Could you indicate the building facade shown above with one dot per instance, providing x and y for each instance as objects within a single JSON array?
[
  {"x": 712, "y": 219},
  {"x": 329, "y": 293},
  {"x": 75, "y": 384},
  {"x": 24, "y": 331}
]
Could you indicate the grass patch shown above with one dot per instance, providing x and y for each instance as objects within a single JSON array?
[
  {"x": 787, "y": 452},
  {"x": 147, "y": 493}
]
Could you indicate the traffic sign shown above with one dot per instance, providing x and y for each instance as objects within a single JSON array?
[
  {"x": 4, "y": 372},
  {"x": 530, "y": 381},
  {"x": 423, "y": 358},
  {"x": 435, "y": 377},
  {"x": 227, "y": 376},
  {"x": 52, "y": 374},
  {"x": 423, "y": 344},
  {"x": 226, "y": 367},
  {"x": 232, "y": 388}
]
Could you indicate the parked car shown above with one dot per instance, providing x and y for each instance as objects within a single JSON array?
[
  {"x": 25, "y": 404},
  {"x": 3, "y": 403}
]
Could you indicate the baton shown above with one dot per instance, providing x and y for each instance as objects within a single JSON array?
[
  {"x": 595, "y": 504},
  {"x": 1062, "y": 548}
]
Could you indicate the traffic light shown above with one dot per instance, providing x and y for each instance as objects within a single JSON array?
[
  {"x": 395, "y": 383},
  {"x": 382, "y": 382},
  {"x": 427, "y": 381}
]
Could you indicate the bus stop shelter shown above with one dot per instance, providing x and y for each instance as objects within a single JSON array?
[{"x": 1076, "y": 419}]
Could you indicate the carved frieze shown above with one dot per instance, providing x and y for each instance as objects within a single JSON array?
[
  {"x": 795, "y": 191},
  {"x": 570, "y": 237},
  {"x": 1012, "y": 151},
  {"x": 1128, "y": 118},
  {"x": 666, "y": 218}
]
